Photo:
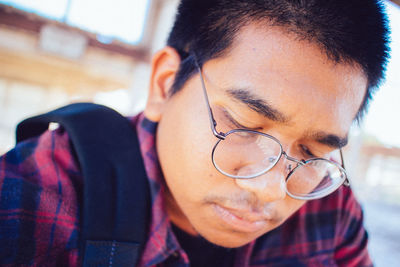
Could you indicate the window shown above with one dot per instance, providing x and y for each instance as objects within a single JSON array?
[{"x": 122, "y": 20}]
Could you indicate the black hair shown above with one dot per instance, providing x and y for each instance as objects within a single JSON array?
[{"x": 349, "y": 31}]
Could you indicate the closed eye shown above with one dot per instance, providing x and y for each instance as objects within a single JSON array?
[
  {"x": 306, "y": 151},
  {"x": 237, "y": 124}
]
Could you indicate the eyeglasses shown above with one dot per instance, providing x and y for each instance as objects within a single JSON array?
[{"x": 246, "y": 154}]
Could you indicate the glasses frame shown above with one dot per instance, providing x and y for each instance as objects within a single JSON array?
[{"x": 221, "y": 136}]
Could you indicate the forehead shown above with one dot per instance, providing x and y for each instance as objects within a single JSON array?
[{"x": 294, "y": 76}]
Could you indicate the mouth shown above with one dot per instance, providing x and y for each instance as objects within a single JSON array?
[{"x": 242, "y": 220}]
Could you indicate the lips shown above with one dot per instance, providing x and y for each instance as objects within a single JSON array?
[{"x": 242, "y": 220}]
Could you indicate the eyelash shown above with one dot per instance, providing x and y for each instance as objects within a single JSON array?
[
  {"x": 307, "y": 151},
  {"x": 237, "y": 124}
]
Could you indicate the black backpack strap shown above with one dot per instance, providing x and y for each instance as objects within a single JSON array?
[{"x": 116, "y": 195}]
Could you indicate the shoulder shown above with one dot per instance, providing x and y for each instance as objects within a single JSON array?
[
  {"x": 40, "y": 186},
  {"x": 324, "y": 232}
]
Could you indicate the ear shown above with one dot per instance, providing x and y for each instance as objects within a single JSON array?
[{"x": 164, "y": 66}]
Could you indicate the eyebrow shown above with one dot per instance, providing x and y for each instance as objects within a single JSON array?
[
  {"x": 257, "y": 104},
  {"x": 265, "y": 109},
  {"x": 331, "y": 140}
]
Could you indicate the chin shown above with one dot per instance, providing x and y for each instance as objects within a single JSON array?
[{"x": 223, "y": 233}]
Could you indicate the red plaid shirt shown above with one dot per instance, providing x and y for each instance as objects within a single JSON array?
[{"x": 40, "y": 192}]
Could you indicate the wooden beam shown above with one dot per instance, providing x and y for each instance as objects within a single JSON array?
[
  {"x": 31, "y": 22},
  {"x": 397, "y": 2},
  {"x": 49, "y": 72}
]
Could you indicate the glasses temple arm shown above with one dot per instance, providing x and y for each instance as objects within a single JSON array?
[
  {"x": 213, "y": 123},
  {"x": 346, "y": 182}
]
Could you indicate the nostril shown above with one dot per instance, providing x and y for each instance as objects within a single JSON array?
[
  {"x": 268, "y": 187},
  {"x": 289, "y": 167}
]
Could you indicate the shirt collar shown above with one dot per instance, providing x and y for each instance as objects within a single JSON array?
[{"x": 161, "y": 242}]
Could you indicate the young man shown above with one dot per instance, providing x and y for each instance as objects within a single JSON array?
[{"x": 280, "y": 83}]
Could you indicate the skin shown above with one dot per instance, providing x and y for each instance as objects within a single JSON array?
[{"x": 314, "y": 96}]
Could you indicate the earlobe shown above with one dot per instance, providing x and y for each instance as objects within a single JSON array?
[{"x": 164, "y": 66}]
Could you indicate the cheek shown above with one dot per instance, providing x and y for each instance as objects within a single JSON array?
[
  {"x": 184, "y": 143},
  {"x": 288, "y": 207}
]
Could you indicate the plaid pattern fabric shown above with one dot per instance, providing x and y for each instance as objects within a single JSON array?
[
  {"x": 39, "y": 215},
  {"x": 40, "y": 192}
]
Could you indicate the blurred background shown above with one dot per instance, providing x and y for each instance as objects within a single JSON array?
[{"x": 54, "y": 52}]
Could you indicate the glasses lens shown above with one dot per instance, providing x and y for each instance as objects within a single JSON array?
[
  {"x": 317, "y": 178},
  {"x": 245, "y": 154}
]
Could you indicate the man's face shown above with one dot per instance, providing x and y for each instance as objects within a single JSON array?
[{"x": 294, "y": 78}]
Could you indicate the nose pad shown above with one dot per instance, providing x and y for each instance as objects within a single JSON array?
[
  {"x": 268, "y": 187},
  {"x": 288, "y": 168}
]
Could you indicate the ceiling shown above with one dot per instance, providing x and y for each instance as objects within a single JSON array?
[{"x": 397, "y": 2}]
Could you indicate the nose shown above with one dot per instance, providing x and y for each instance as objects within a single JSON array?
[{"x": 268, "y": 187}]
